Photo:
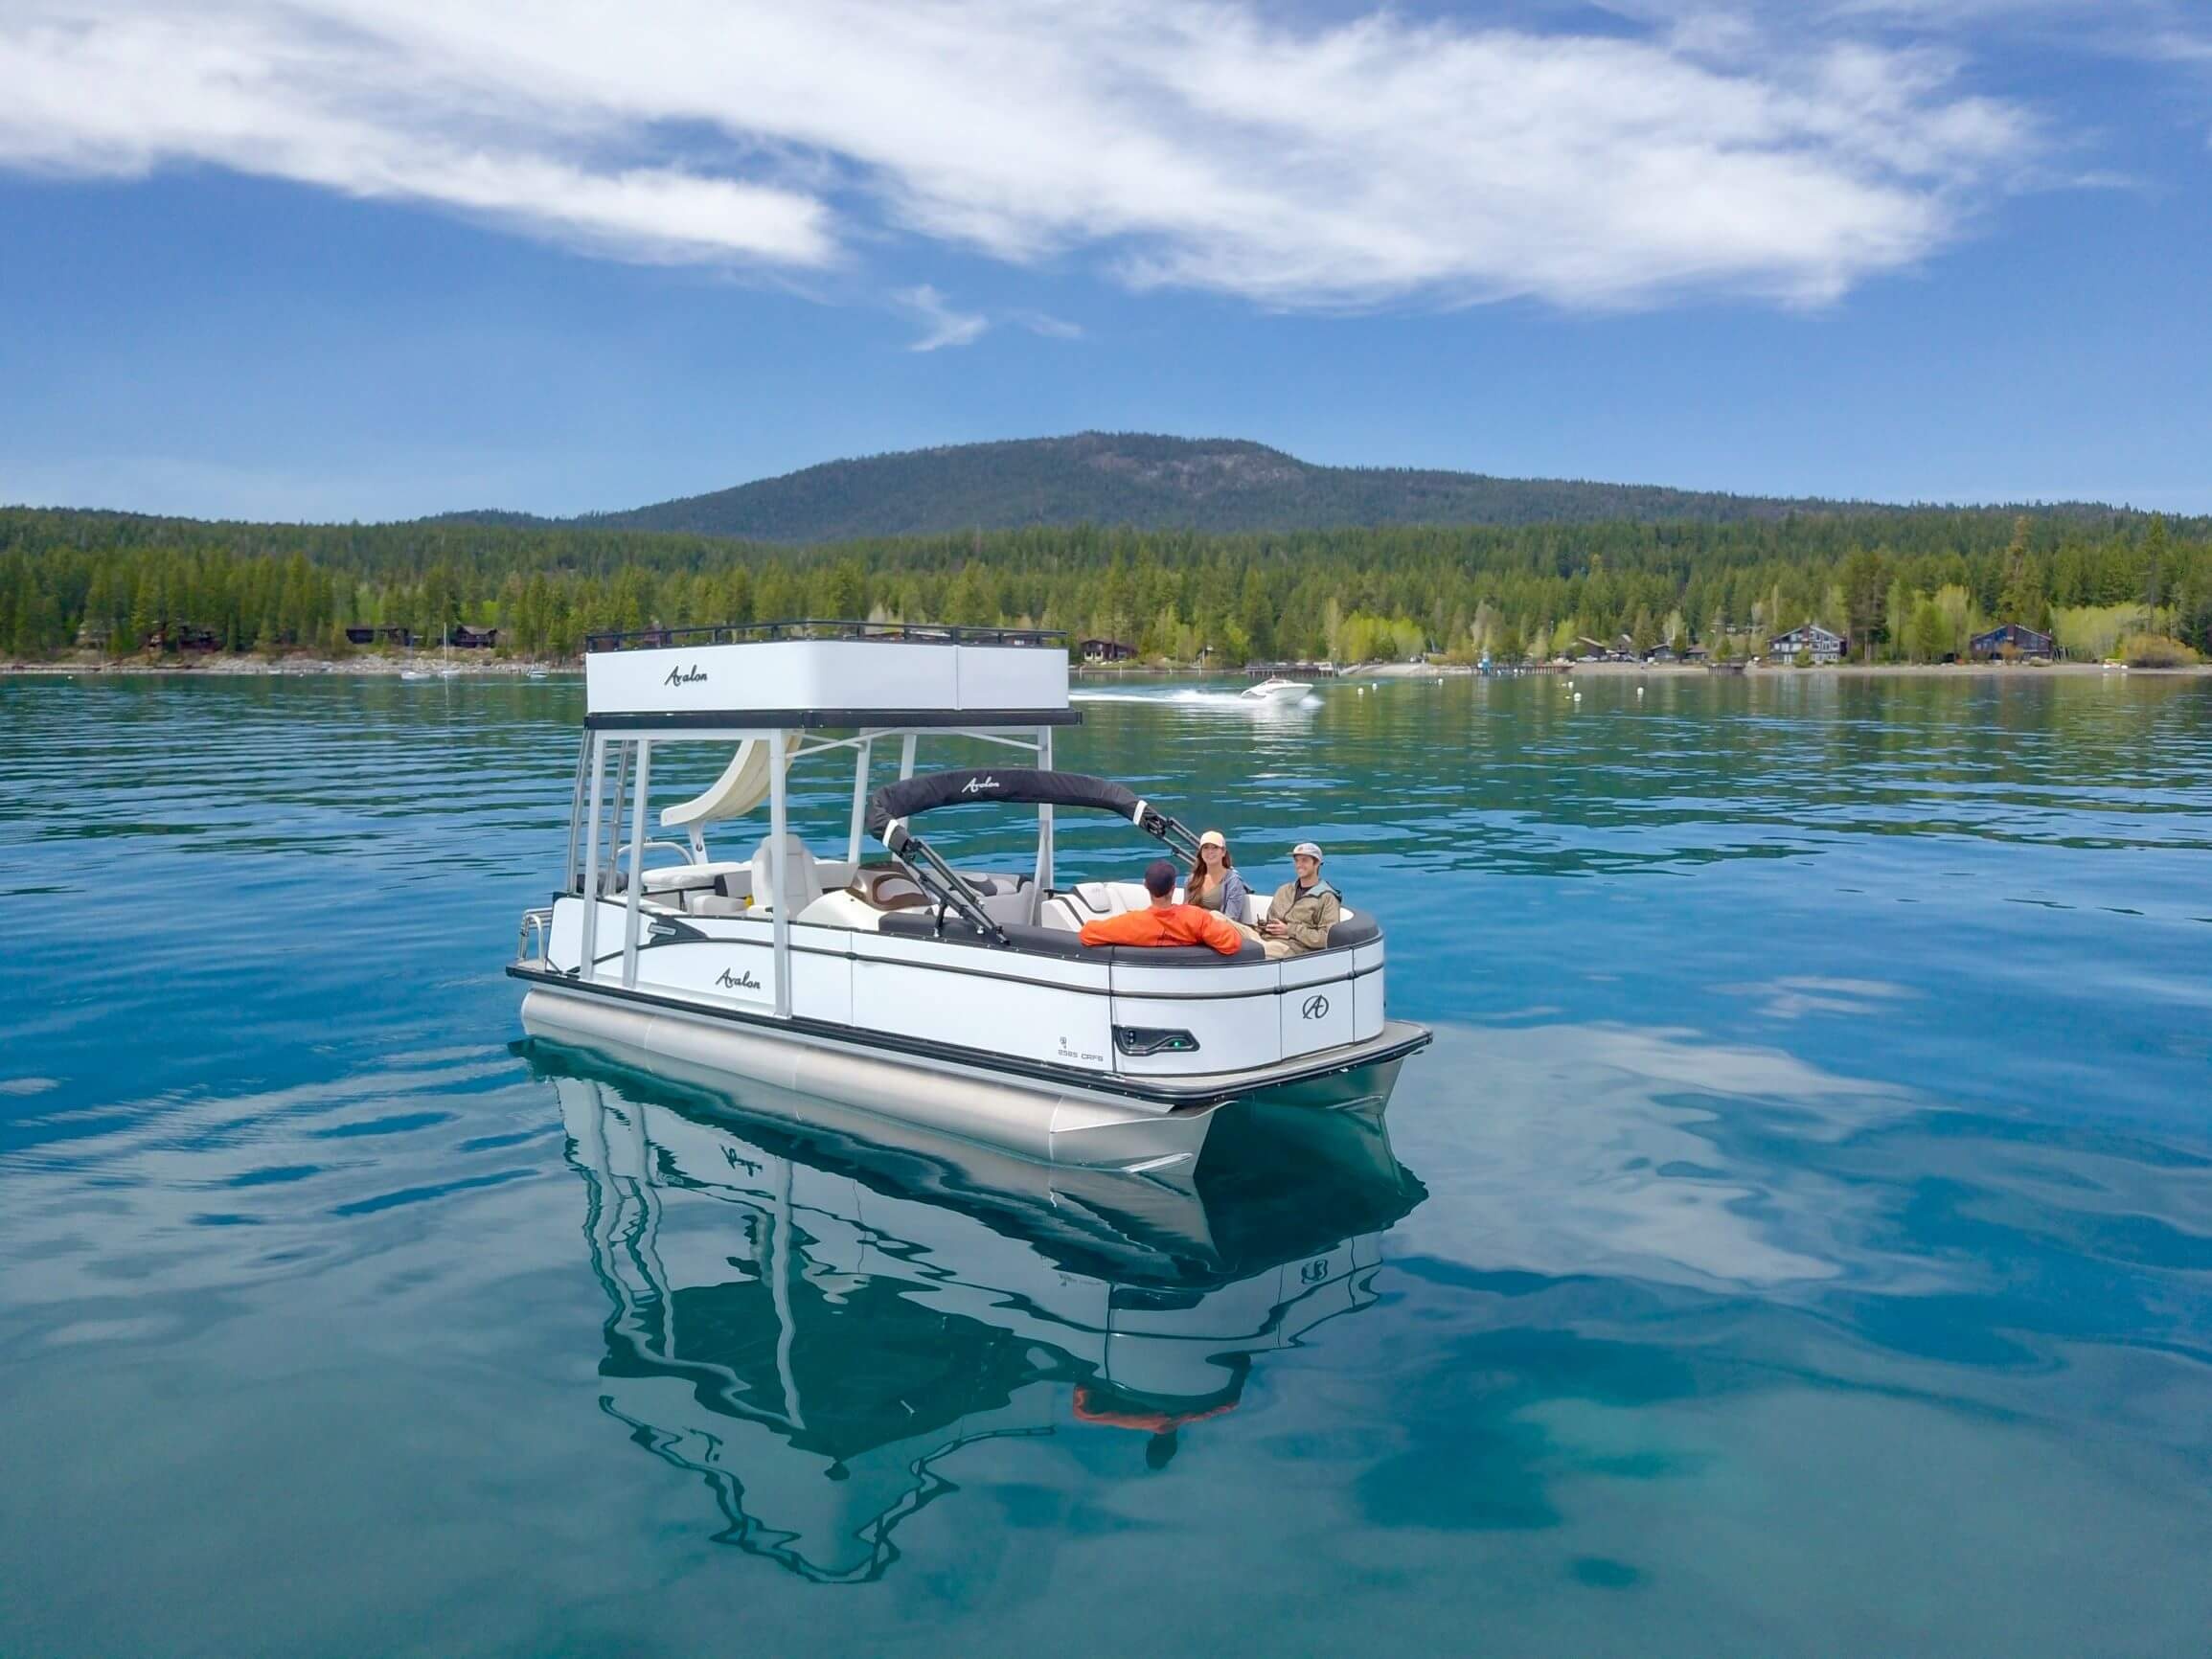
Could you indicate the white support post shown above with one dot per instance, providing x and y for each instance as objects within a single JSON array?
[
  {"x": 779, "y": 919},
  {"x": 629, "y": 920},
  {"x": 588, "y": 870},
  {"x": 867, "y": 747},
  {"x": 1043, "y": 822},
  {"x": 907, "y": 758},
  {"x": 614, "y": 812}
]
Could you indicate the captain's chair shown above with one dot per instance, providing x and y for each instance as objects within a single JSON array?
[{"x": 796, "y": 885}]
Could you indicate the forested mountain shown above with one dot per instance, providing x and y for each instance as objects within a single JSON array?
[
  {"x": 1219, "y": 486},
  {"x": 1901, "y": 583}
]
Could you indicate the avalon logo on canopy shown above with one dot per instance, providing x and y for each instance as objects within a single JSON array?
[{"x": 980, "y": 785}]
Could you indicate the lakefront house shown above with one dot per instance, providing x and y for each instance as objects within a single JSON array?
[
  {"x": 1821, "y": 644},
  {"x": 2014, "y": 639}
]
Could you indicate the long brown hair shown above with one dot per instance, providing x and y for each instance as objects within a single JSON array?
[{"x": 1198, "y": 868}]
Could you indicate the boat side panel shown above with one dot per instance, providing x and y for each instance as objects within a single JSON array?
[
  {"x": 1318, "y": 1014},
  {"x": 724, "y": 960},
  {"x": 1232, "y": 1032},
  {"x": 1367, "y": 1006},
  {"x": 975, "y": 961},
  {"x": 1058, "y": 1025}
]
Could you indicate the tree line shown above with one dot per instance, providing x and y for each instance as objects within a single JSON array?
[{"x": 1909, "y": 585}]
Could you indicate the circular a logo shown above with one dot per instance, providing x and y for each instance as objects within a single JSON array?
[{"x": 1316, "y": 1006}]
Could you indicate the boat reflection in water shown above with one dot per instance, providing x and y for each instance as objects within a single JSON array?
[{"x": 815, "y": 1310}]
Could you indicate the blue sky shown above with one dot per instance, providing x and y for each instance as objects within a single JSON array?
[{"x": 341, "y": 258}]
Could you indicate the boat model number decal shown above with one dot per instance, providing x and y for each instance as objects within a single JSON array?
[
  {"x": 738, "y": 981},
  {"x": 1069, "y": 1052},
  {"x": 977, "y": 786},
  {"x": 690, "y": 677},
  {"x": 1316, "y": 1006}
]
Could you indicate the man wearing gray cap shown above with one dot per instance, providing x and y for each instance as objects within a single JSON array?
[{"x": 1302, "y": 912}]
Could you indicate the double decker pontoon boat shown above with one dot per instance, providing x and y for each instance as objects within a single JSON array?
[{"x": 959, "y": 1000}]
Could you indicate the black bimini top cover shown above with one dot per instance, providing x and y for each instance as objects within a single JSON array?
[{"x": 891, "y": 805}]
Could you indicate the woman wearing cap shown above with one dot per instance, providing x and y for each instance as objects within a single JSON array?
[
  {"x": 1303, "y": 910},
  {"x": 1215, "y": 884}
]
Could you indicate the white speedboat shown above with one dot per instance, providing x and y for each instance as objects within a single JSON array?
[
  {"x": 1276, "y": 691},
  {"x": 961, "y": 1000},
  {"x": 827, "y": 1328}
]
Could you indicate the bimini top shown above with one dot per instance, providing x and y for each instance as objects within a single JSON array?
[
  {"x": 890, "y": 806},
  {"x": 827, "y": 673}
]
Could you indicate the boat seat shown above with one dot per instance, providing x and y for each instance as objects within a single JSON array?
[
  {"x": 691, "y": 878},
  {"x": 1007, "y": 909},
  {"x": 1094, "y": 899},
  {"x": 886, "y": 887},
  {"x": 1355, "y": 929},
  {"x": 799, "y": 883}
]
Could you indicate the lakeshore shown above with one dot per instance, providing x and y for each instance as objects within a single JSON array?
[{"x": 255, "y": 666}]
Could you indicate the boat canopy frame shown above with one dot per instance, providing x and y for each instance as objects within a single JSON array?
[
  {"x": 891, "y": 807},
  {"x": 614, "y": 775}
]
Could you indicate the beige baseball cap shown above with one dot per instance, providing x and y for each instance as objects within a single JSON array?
[
  {"x": 1213, "y": 838},
  {"x": 1304, "y": 849}
]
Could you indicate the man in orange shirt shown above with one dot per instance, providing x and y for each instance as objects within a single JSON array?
[{"x": 1164, "y": 922}]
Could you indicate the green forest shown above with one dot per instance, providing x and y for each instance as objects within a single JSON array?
[{"x": 1903, "y": 586}]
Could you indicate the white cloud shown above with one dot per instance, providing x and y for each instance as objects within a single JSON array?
[
  {"x": 1199, "y": 145},
  {"x": 1051, "y": 328},
  {"x": 941, "y": 325}
]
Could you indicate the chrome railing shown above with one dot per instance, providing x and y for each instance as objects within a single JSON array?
[{"x": 535, "y": 929}]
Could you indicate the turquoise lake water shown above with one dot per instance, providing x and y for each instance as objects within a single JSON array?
[{"x": 1797, "y": 1241}]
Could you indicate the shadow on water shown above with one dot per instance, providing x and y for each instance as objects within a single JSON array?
[{"x": 818, "y": 1312}]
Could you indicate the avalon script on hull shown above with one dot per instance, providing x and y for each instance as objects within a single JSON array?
[
  {"x": 690, "y": 677},
  {"x": 738, "y": 982}
]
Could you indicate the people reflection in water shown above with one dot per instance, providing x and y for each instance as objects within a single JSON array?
[{"x": 819, "y": 1325}]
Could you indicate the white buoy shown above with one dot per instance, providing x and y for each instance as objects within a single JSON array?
[
  {"x": 1639, "y": 690},
  {"x": 1578, "y": 697}
]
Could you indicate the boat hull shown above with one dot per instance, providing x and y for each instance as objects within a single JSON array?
[{"x": 1060, "y": 1121}]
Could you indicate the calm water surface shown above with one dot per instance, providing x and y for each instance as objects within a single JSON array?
[{"x": 1799, "y": 1240}]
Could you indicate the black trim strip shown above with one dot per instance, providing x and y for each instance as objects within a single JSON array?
[
  {"x": 786, "y": 720},
  {"x": 981, "y": 1060}
]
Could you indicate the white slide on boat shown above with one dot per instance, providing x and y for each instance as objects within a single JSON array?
[{"x": 740, "y": 789}]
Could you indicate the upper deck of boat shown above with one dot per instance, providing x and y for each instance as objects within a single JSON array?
[{"x": 808, "y": 674}]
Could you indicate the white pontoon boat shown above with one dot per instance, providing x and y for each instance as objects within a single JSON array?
[
  {"x": 1276, "y": 691},
  {"x": 964, "y": 1002}
]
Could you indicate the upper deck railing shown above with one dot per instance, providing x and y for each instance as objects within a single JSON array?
[{"x": 821, "y": 629}]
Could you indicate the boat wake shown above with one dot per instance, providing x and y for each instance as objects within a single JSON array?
[{"x": 1192, "y": 697}]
